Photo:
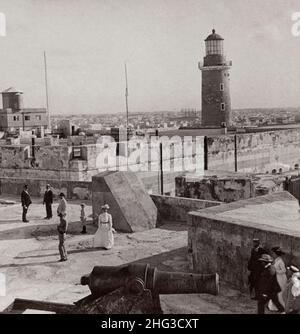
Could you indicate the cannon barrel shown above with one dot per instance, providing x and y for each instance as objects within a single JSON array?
[{"x": 137, "y": 277}]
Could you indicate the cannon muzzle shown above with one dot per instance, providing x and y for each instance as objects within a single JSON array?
[{"x": 137, "y": 277}]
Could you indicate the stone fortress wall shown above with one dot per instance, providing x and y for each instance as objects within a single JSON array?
[
  {"x": 255, "y": 152},
  {"x": 220, "y": 237}
]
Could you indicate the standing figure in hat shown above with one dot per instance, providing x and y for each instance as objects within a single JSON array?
[
  {"x": 267, "y": 286},
  {"x": 104, "y": 237},
  {"x": 62, "y": 227},
  {"x": 290, "y": 271},
  {"x": 26, "y": 201},
  {"x": 83, "y": 218},
  {"x": 254, "y": 266},
  {"x": 48, "y": 200},
  {"x": 280, "y": 270}
]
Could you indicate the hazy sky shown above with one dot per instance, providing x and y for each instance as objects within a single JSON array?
[{"x": 87, "y": 42}]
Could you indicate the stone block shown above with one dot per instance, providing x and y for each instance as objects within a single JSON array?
[{"x": 130, "y": 205}]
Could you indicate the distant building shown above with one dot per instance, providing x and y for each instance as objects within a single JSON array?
[
  {"x": 216, "y": 104},
  {"x": 66, "y": 128},
  {"x": 14, "y": 116},
  {"x": 189, "y": 113},
  {"x": 119, "y": 134}
]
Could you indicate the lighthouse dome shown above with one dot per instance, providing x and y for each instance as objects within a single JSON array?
[{"x": 214, "y": 37}]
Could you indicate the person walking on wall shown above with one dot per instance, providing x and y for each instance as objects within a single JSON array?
[
  {"x": 26, "y": 201},
  {"x": 48, "y": 200},
  {"x": 62, "y": 227},
  {"x": 254, "y": 266}
]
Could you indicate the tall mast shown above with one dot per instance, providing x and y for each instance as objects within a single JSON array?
[
  {"x": 46, "y": 88},
  {"x": 126, "y": 97},
  {"x": 127, "y": 120}
]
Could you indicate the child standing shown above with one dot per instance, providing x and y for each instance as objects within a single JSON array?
[{"x": 83, "y": 218}]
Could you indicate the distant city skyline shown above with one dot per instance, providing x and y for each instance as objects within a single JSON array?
[
  {"x": 87, "y": 43},
  {"x": 136, "y": 112}
]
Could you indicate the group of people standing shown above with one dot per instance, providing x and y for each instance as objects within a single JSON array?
[
  {"x": 103, "y": 237},
  {"x": 61, "y": 213},
  {"x": 26, "y": 201},
  {"x": 268, "y": 281}
]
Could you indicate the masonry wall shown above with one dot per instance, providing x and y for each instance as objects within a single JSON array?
[
  {"x": 224, "y": 247},
  {"x": 77, "y": 189},
  {"x": 221, "y": 152},
  {"x": 256, "y": 152},
  {"x": 72, "y": 189},
  {"x": 175, "y": 209},
  {"x": 152, "y": 182},
  {"x": 58, "y": 162},
  {"x": 226, "y": 189},
  {"x": 45, "y": 157},
  {"x": 261, "y": 152}
]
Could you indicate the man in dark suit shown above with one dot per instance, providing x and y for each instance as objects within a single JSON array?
[
  {"x": 267, "y": 285},
  {"x": 26, "y": 201},
  {"x": 254, "y": 266},
  {"x": 48, "y": 200}
]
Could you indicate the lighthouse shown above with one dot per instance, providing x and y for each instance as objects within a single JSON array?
[{"x": 216, "y": 104}]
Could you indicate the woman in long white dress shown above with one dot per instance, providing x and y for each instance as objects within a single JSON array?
[
  {"x": 280, "y": 275},
  {"x": 104, "y": 237}
]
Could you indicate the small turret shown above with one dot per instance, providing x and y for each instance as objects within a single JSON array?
[{"x": 12, "y": 99}]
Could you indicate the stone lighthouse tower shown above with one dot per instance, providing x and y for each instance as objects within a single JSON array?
[{"x": 216, "y": 105}]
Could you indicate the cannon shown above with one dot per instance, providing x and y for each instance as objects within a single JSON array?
[
  {"x": 139, "y": 285},
  {"x": 125, "y": 289}
]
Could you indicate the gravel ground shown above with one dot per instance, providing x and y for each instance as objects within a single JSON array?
[{"x": 29, "y": 259}]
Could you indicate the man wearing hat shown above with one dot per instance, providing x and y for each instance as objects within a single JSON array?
[
  {"x": 267, "y": 285},
  {"x": 26, "y": 201},
  {"x": 83, "y": 218},
  {"x": 254, "y": 266},
  {"x": 48, "y": 200},
  {"x": 62, "y": 227}
]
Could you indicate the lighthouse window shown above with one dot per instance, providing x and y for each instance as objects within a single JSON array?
[
  {"x": 222, "y": 106},
  {"x": 214, "y": 47},
  {"x": 221, "y": 87}
]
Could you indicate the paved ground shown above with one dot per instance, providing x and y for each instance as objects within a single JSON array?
[{"x": 29, "y": 259}]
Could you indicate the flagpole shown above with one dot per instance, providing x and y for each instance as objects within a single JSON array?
[
  {"x": 127, "y": 120},
  {"x": 126, "y": 96},
  {"x": 46, "y": 88}
]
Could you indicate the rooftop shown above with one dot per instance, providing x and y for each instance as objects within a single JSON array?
[
  {"x": 278, "y": 212},
  {"x": 25, "y": 110},
  {"x": 12, "y": 90}
]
